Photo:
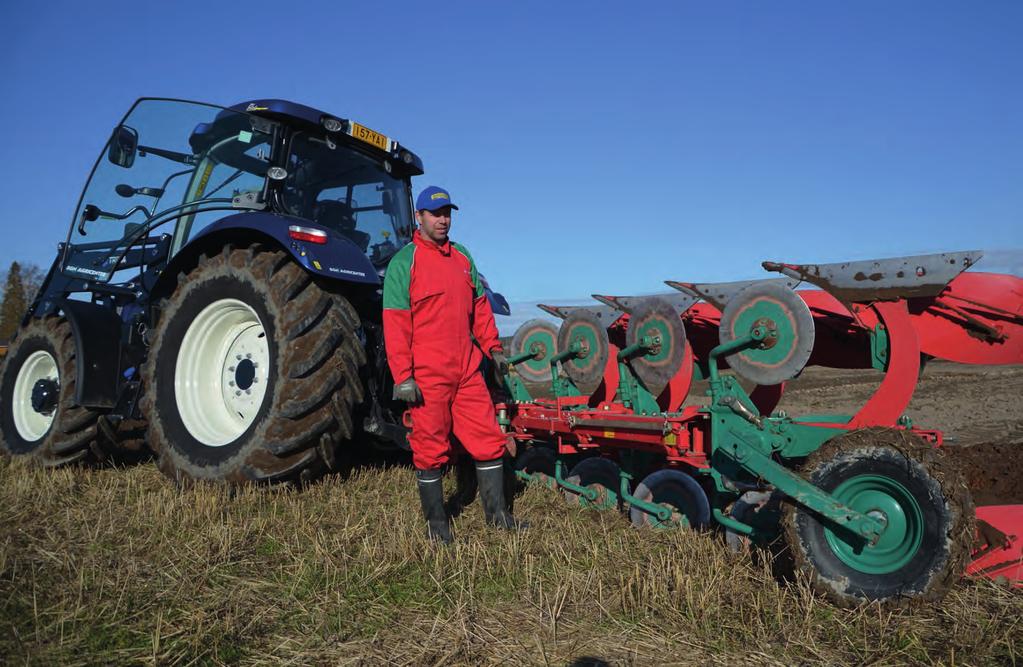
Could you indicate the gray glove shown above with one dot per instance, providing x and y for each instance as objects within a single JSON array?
[
  {"x": 501, "y": 366},
  {"x": 407, "y": 391}
]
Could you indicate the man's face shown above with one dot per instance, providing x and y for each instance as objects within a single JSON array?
[{"x": 435, "y": 225}]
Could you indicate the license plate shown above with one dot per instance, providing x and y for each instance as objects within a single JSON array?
[{"x": 363, "y": 133}]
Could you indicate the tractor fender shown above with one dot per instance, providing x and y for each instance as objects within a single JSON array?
[
  {"x": 338, "y": 259},
  {"x": 97, "y": 339}
]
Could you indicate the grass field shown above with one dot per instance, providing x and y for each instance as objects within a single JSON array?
[{"x": 120, "y": 567}]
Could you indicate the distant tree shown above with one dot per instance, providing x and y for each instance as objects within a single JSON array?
[
  {"x": 14, "y": 304},
  {"x": 32, "y": 278}
]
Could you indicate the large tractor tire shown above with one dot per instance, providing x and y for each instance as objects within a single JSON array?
[
  {"x": 253, "y": 373},
  {"x": 39, "y": 418},
  {"x": 919, "y": 494}
]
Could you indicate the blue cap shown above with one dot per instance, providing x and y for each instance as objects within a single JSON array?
[{"x": 433, "y": 198}]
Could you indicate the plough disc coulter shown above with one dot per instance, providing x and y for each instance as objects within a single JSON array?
[{"x": 870, "y": 507}]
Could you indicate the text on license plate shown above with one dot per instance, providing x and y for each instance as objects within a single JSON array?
[{"x": 363, "y": 133}]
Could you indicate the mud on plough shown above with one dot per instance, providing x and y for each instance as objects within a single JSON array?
[{"x": 868, "y": 506}]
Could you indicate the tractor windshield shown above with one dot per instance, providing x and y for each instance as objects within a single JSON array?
[
  {"x": 350, "y": 192},
  {"x": 169, "y": 161}
]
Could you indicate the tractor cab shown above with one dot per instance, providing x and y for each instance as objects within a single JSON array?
[{"x": 174, "y": 170}]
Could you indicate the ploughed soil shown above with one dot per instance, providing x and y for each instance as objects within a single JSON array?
[{"x": 978, "y": 408}]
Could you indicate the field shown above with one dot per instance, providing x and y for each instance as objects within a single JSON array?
[{"x": 119, "y": 567}]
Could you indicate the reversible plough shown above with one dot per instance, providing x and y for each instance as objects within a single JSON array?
[{"x": 868, "y": 506}]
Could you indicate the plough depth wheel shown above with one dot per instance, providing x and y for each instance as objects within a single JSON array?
[
  {"x": 599, "y": 474},
  {"x": 676, "y": 490},
  {"x": 894, "y": 476}
]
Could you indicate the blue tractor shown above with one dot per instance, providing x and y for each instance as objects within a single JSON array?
[{"x": 220, "y": 288}]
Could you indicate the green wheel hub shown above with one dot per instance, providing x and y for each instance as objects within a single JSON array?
[{"x": 890, "y": 501}]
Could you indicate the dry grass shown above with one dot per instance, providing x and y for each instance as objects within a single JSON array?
[{"x": 119, "y": 567}]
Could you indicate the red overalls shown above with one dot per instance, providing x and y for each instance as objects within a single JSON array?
[{"x": 434, "y": 305}]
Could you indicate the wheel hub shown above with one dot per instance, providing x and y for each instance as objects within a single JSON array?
[
  {"x": 44, "y": 396},
  {"x": 244, "y": 374},
  {"x": 890, "y": 503}
]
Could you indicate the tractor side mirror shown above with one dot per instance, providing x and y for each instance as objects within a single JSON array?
[{"x": 123, "y": 146}]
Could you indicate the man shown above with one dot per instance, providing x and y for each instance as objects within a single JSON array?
[{"x": 437, "y": 326}]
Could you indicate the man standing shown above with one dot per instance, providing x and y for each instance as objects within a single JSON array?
[{"x": 437, "y": 326}]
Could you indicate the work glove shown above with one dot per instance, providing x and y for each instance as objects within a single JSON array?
[
  {"x": 407, "y": 391},
  {"x": 501, "y": 366}
]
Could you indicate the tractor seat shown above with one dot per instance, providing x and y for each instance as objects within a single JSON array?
[{"x": 340, "y": 217}]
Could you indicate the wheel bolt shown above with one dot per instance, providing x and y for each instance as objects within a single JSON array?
[
  {"x": 231, "y": 368},
  {"x": 237, "y": 393},
  {"x": 248, "y": 355},
  {"x": 230, "y": 384},
  {"x": 248, "y": 391},
  {"x": 238, "y": 357}
]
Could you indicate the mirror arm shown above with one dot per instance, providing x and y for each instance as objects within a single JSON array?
[{"x": 183, "y": 158}]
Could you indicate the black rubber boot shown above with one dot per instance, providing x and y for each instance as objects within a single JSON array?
[
  {"x": 490, "y": 475},
  {"x": 431, "y": 495}
]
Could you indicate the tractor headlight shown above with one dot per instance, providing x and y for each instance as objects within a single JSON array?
[{"x": 332, "y": 124}]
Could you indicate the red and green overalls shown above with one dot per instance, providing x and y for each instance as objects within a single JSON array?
[{"x": 436, "y": 320}]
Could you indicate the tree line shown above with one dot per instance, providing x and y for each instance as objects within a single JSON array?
[{"x": 21, "y": 282}]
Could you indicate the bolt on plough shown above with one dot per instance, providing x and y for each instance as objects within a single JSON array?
[{"x": 868, "y": 506}]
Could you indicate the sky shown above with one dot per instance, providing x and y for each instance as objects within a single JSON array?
[{"x": 591, "y": 147}]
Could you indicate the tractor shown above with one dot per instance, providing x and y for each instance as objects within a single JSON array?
[{"x": 219, "y": 289}]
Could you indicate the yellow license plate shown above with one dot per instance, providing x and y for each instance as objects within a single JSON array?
[{"x": 363, "y": 133}]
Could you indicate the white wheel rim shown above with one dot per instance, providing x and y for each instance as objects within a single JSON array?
[
  {"x": 32, "y": 425},
  {"x": 221, "y": 375}
]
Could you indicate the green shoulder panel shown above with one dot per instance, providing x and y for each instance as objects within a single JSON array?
[
  {"x": 398, "y": 278},
  {"x": 476, "y": 282}
]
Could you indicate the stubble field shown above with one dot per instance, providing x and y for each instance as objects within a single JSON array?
[{"x": 120, "y": 567}]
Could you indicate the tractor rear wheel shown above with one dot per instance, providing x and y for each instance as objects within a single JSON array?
[
  {"x": 254, "y": 372},
  {"x": 920, "y": 496},
  {"x": 39, "y": 417}
]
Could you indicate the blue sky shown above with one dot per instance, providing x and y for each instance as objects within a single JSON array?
[{"x": 592, "y": 147}]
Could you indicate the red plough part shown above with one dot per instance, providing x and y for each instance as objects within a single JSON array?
[
  {"x": 620, "y": 373},
  {"x": 999, "y": 554}
]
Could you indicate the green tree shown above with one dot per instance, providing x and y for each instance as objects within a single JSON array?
[{"x": 14, "y": 304}]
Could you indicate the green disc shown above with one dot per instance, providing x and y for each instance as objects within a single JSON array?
[
  {"x": 587, "y": 336},
  {"x": 540, "y": 338},
  {"x": 656, "y": 319},
  {"x": 880, "y": 496},
  {"x": 776, "y": 308}
]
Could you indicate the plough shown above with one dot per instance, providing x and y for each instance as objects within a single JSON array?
[{"x": 869, "y": 506}]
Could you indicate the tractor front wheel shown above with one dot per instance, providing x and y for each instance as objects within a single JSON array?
[
  {"x": 917, "y": 494},
  {"x": 39, "y": 417},
  {"x": 254, "y": 372}
]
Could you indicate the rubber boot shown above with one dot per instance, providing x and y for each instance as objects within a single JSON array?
[
  {"x": 431, "y": 495},
  {"x": 490, "y": 475}
]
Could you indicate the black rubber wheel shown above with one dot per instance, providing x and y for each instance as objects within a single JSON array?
[
  {"x": 270, "y": 359},
  {"x": 39, "y": 418},
  {"x": 923, "y": 499},
  {"x": 538, "y": 461},
  {"x": 677, "y": 491},
  {"x": 602, "y": 475}
]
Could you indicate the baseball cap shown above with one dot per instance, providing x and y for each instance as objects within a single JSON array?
[{"x": 433, "y": 198}]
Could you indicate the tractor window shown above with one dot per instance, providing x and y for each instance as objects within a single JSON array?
[
  {"x": 228, "y": 170},
  {"x": 165, "y": 154},
  {"x": 349, "y": 193}
]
